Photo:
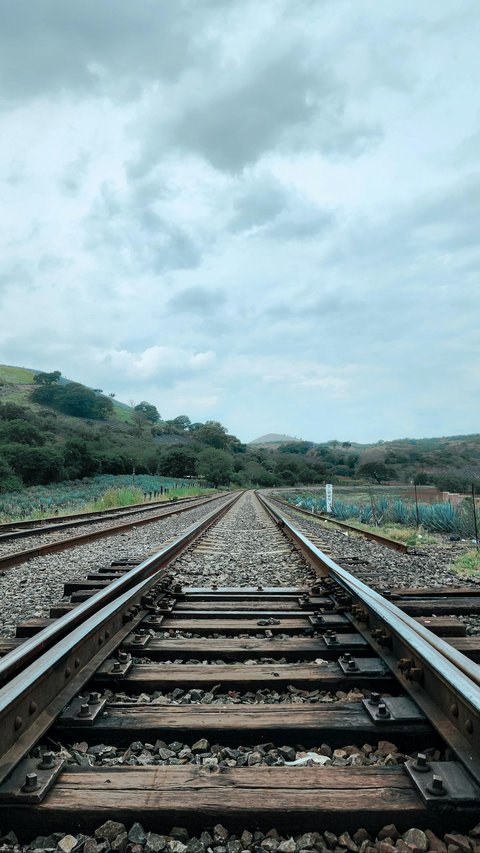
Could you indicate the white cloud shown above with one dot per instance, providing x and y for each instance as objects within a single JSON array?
[
  {"x": 253, "y": 214},
  {"x": 162, "y": 364}
]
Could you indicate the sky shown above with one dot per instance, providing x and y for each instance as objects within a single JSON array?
[{"x": 263, "y": 213}]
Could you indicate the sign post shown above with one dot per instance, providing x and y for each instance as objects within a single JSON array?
[{"x": 329, "y": 496}]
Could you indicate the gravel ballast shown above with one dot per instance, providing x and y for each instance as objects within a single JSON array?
[
  {"x": 30, "y": 589},
  {"x": 114, "y": 835},
  {"x": 425, "y": 567},
  {"x": 244, "y": 549}
]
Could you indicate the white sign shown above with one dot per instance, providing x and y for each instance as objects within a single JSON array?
[{"x": 329, "y": 496}]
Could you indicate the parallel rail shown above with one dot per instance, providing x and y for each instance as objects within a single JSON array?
[
  {"x": 18, "y": 557},
  {"x": 45, "y": 674},
  {"x": 437, "y": 676},
  {"x": 352, "y": 528},
  {"x": 51, "y": 667},
  {"x": 35, "y": 527}
]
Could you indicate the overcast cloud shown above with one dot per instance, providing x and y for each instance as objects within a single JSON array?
[{"x": 261, "y": 213}]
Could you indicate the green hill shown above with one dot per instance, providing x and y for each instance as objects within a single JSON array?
[
  {"x": 53, "y": 429},
  {"x": 15, "y": 387}
]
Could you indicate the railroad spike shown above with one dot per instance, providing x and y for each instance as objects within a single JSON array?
[
  {"x": 31, "y": 783},
  {"x": 436, "y": 786},
  {"x": 48, "y": 761},
  {"x": 421, "y": 763}
]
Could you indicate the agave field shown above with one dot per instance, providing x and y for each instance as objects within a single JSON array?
[
  {"x": 382, "y": 511},
  {"x": 75, "y": 495}
]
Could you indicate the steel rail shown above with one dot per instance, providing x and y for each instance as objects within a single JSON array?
[
  {"x": 36, "y": 527},
  {"x": 19, "y": 557},
  {"x": 69, "y": 651},
  {"x": 44, "y": 639},
  {"x": 368, "y": 534},
  {"x": 451, "y": 682}
]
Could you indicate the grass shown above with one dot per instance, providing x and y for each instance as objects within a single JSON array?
[
  {"x": 16, "y": 375},
  {"x": 407, "y": 535},
  {"x": 86, "y": 495},
  {"x": 128, "y": 495},
  {"x": 15, "y": 387},
  {"x": 122, "y": 414},
  {"x": 115, "y": 498},
  {"x": 467, "y": 564}
]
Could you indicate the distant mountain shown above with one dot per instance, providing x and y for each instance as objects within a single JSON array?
[{"x": 274, "y": 438}]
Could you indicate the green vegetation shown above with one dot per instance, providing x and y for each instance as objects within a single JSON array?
[
  {"x": 116, "y": 497},
  {"x": 468, "y": 564},
  {"x": 71, "y": 399},
  {"x": 396, "y": 514},
  {"x": 15, "y": 375},
  {"x": 147, "y": 412},
  {"x": 87, "y": 495},
  {"x": 408, "y": 535},
  {"x": 128, "y": 495},
  {"x": 53, "y": 430}
]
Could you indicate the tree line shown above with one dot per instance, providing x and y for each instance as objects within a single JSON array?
[{"x": 40, "y": 445}]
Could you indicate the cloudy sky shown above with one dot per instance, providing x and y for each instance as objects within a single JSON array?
[{"x": 264, "y": 213}]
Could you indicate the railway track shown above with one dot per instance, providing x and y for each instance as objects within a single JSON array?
[
  {"x": 242, "y": 681},
  {"x": 30, "y": 526},
  {"x": 387, "y": 541},
  {"x": 46, "y": 534}
]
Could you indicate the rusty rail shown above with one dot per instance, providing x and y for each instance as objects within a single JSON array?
[
  {"x": 441, "y": 680},
  {"x": 35, "y": 527},
  {"x": 368, "y": 534},
  {"x": 51, "y": 667},
  {"x": 18, "y": 557}
]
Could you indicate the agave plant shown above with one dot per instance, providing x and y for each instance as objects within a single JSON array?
[
  {"x": 400, "y": 513},
  {"x": 365, "y": 514}
]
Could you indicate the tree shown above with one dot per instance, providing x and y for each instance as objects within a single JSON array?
[
  {"x": 47, "y": 378},
  {"x": 346, "y": 444},
  {"x": 183, "y": 421},
  {"x": 22, "y": 432},
  {"x": 147, "y": 411},
  {"x": 215, "y": 466},
  {"x": 178, "y": 462},
  {"x": 79, "y": 459},
  {"x": 73, "y": 399},
  {"x": 35, "y": 464},
  {"x": 258, "y": 475},
  {"x": 212, "y": 433},
  {"x": 9, "y": 481},
  {"x": 377, "y": 471}
]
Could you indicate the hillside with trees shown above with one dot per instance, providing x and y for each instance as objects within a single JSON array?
[{"x": 53, "y": 429}]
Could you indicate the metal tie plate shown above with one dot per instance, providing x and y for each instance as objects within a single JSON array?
[
  {"x": 31, "y": 779},
  {"x": 401, "y": 709},
  {"x": 362, "y": 666},
  {"x": 83, "y": 710},
  {"x": 443, "y": 783}
]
